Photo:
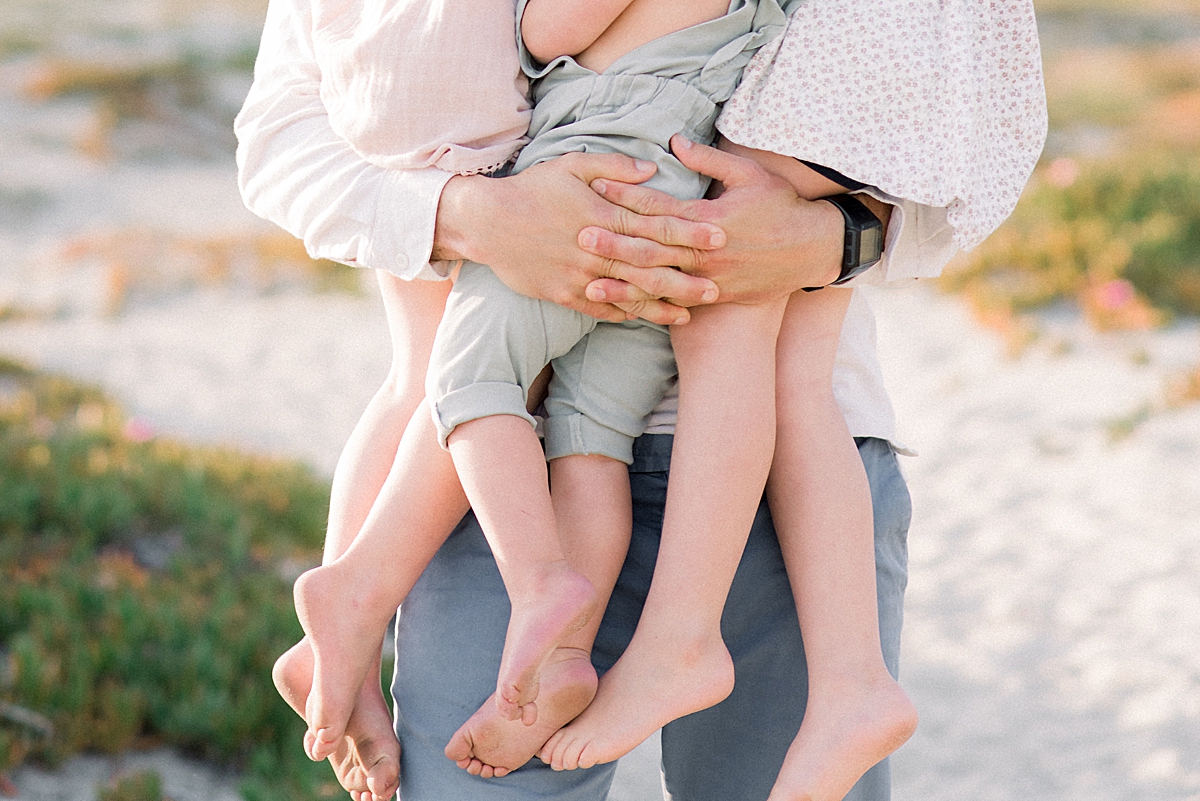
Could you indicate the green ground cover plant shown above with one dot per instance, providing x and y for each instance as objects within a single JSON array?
[
  {"x": 141, "y": 786},
  {"x": 144, "y": 592},
  {"x": 1120, "y": 239}
]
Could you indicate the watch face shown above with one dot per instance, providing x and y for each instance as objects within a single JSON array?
[{"x": 870, "y": 246}]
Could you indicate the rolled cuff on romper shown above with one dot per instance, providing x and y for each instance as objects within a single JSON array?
[
  {"x": 475, "y": 401},
  {"x": 569, "y": 435}
]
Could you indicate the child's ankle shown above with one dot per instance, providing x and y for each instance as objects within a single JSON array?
[{"x": 535, "y": 582}]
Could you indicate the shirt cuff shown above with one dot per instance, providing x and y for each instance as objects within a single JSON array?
[
  {"x": 401, "y": 240},
  {"x": 918, "y": 244}
]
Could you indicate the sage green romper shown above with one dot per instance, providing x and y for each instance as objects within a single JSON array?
[{"x": 608, "y": 377}]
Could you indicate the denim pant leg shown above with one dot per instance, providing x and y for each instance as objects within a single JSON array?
[
  {"x": 449, "y": 637},
  {"x": 735, "y": 749},
  {"x": 451, "y": 633}
]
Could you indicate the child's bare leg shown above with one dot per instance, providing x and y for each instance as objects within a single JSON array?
[
  {"x": 345, "y": 606},
  {"x": 413, "y": 309},
  {"x": 821, "y": 504},
  {"x": 503, "y": 471},
  {"x": 591, "y": 502},
  {"x": 677, "y": 663}
]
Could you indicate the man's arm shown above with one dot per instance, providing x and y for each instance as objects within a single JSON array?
[
  {"x": 528, "y": 229},
  {"x": 297, "y": 172},
  {"x": 777, "y": 242}
]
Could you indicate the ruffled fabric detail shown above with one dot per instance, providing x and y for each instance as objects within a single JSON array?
[{"x": 423, "y": 84}]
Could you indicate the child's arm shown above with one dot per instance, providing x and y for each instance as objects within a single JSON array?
[
  {"x": 553, "y": 28},
  {"x": 808, "y": 183}
]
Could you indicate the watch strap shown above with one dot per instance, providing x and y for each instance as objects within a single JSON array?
[{"x": 858, "y": 219}]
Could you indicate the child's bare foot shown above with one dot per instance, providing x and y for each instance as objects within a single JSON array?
[
  {"x": 345, "y": 632},
  {"x": 367, "y": 760},
  {"x": 489, "y": 745},
  {"x": 843, "y": 735},
  {"x": 649, "y": 686},
  {"x": 553, "y": 605}
]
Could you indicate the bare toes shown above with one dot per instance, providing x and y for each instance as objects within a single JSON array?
[
  {"x": 458, "y": 750},
  {"x": 323, "y": 745}
]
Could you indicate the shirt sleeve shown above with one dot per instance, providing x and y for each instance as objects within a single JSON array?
[
  {"x": 919, "y": 242},
  {"x": 296, "y": 172}
]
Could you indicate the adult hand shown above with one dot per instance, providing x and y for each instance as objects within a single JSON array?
[
  {"x": 534, "y": 229},
  {"x": 777, "y": 241}
]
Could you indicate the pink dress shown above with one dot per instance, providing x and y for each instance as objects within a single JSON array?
[{"x": 423, "y": 83}]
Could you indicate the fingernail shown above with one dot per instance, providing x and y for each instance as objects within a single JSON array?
[
  {"x": 597, "y": 294},
  {"x": 643, "y": 165},
  {"x": 716, "y": 239},
  {"x": 587, "y": 239},
  {"x": 680, "y": 321},
  {"x": 684, "y": 142},
  {"x": 599, "y": 186},
  {"x": 709, "y": 295}
]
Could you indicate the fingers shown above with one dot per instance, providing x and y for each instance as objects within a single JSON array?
[
  {"x": 658, "y": 216},
  {"x": 590, "y": 166},
  {"x": 640, "y": 252},
  {"x": 636, "y": 303},
  {"x": 600, "y": 310},
  {"x": 640, "y": 199},
  {"x": 656, "y": 311},
  {"x": 665, "y": 282},
  {"x": 625, "y": 260},
  {"x": 727, "y": 168},
  {"x": 612, "y": 290}
]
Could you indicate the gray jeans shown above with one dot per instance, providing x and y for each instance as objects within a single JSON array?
[{"x": 451, "y": 632}]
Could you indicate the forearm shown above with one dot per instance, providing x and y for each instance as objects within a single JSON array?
[
  {"x": 777, "y": 241},
  {"x": 810, "y": 184},
  {"x": 919, "y": 241},
  {"x": 297, "y": 172}
]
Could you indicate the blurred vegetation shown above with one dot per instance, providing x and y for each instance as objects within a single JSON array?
[
  {"x": 144, "y": 785},
  {"x": 1110, "y": 222},
  {"x": 1122, "y": 240},
  {"x": 145, "y": 590}
]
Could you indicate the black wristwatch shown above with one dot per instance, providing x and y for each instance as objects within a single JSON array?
[{"x": 863, "y": 245}]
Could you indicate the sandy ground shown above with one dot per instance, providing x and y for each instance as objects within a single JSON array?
[{"x": 1053, "y": 611}]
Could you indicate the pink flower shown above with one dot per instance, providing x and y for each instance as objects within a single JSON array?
[
  {"x": 1062, "y": 172},
  {"x": 138, "y": 430},
  {"x": 1115, "y": 294}
]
